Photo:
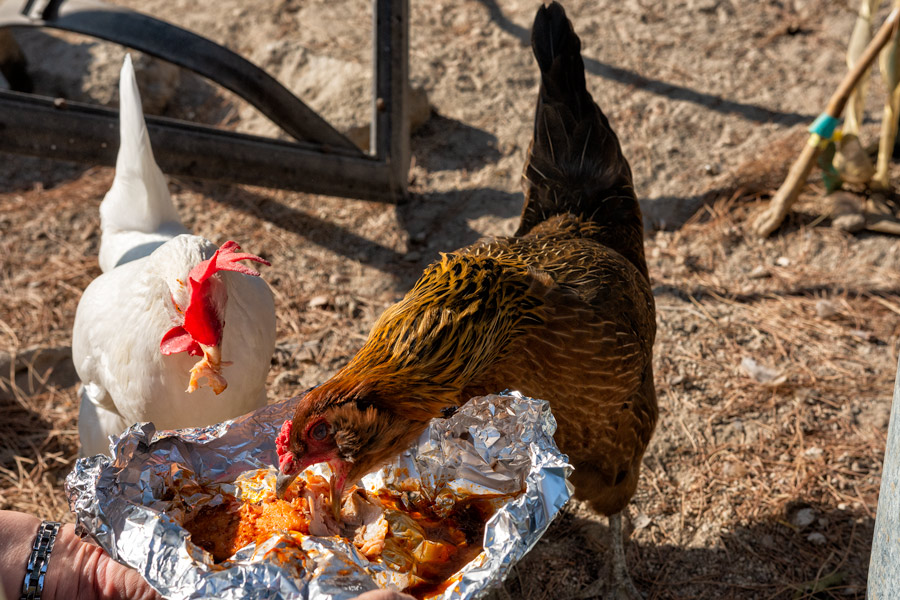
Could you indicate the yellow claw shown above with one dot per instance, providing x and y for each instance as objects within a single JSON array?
[{"x": 210, "y": 366}]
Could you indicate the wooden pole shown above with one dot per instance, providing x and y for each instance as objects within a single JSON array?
[
  {"x": 884, "y": 562},
  {"x": 771, "y": 218}
]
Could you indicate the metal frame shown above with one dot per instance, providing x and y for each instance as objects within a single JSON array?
[{"x": 321, "y": 161}]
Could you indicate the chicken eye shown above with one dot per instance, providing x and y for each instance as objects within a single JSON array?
[{"x": 319, "y": 432}]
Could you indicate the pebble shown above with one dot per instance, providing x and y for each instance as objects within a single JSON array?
[
  {"x": 641, "y": 521},
  {"x": 318, "y": 301},
  {"x": 813, "y": 453},
  {"x": 816, "y": 538},
  {"x": 804, "y": 517},
  {"x": 866, "y": 336},
  {"x": 826, "y": 309},
  {"x": 759, "y": 272},
  {"x": 733, "y": 470},
  {"x": 712, "y": 169}
]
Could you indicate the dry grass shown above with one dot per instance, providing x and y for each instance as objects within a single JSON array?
[
  {"x": 733, "y": 461},
  {"x": 756, "y": 453}
]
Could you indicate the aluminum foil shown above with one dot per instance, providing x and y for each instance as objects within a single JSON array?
[{"x": 499, "y": 444}]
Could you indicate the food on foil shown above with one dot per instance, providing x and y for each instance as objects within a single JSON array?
[
  {"x": 423, "y": 542},
  {"x": 194, "y": 510},
  {"x": 227, "y": 526}
]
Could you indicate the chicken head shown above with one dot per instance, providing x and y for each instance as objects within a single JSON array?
[{"x": 200, "y": 332}]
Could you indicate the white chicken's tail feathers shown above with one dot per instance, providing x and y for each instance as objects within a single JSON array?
[{"x": 137, "y": 210}]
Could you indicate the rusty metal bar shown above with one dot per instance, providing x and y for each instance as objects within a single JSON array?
[
  {"x": 323, "y": 162},
  {"x": 86, "y": 133},
  {"x": 185, "y": 49}
]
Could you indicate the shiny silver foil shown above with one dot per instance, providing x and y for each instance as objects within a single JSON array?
[{"x": 499, "y": 444}]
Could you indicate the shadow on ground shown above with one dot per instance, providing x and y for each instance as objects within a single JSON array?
[
  {"x": 768, "y": 559},
  {"x": 750, "y": 112}
]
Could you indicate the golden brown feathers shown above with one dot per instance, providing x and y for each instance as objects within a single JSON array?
[{"x": 561, "y": 311}]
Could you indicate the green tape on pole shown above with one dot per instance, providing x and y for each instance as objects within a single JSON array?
[{"x": 824, "y": 126}]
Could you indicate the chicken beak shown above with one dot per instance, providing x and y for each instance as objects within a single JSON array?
[
  {"x": 282, "y": 483},
  {"x": 335, "y": 499}
]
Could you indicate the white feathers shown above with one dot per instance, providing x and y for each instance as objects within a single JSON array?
[
  {"x": 137, "y": 214},
  {"x": 123, "y": 315}
]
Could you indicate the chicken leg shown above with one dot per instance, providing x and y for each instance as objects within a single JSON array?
[
  {"x": 621, "y": 587},
  {"x": 617, "y": 585}
]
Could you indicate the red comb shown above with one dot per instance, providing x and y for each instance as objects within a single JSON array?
[
  {"x": 226, "y": 259},
  {"x": 281, "y": 442},
  {"x": 201, "y": 323}
]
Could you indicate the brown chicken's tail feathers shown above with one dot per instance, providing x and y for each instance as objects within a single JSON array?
[{"x": 575, "y": 163}]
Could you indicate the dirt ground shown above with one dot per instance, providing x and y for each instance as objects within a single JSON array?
[{"x": 774, "y": 359}]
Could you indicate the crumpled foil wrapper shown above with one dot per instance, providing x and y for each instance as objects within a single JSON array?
[{"x": 496, "y": 444}]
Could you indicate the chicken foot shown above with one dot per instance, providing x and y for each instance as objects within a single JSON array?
[{"x": 617, "y": 584}]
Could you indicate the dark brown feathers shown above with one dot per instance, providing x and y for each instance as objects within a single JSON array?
[{"x": 575, "y": 163}]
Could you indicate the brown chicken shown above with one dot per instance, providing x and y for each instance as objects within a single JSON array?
[{"x": 561, "y": 311}]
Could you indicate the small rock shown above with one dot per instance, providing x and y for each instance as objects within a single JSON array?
[
  {"x": 804, "y": 517},
  {"x": 641, "y": 521},
  {"x": 712, "y": 169},
  {"x": 866, "y": 336},
  {"x": 813, "y": 453},
  {"x": 733, "y": 470},
  {"x": 761, "y": 373},
  {"x": 852, "y": 223},
  {"x": 318, "y": 302},
  {"x": 816, "y": 538},
  {"x": 826, "y": 309},
  {"x": 759, "y": 272},
  {"x": 783, "y": 261}
]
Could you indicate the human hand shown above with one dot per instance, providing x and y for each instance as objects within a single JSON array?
[{"x": 77, "y": 569}]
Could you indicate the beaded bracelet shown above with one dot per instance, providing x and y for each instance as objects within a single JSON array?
[{"x": 38, "y": 561}]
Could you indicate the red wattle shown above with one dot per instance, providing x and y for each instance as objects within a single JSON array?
[{"x": 178, "y": 340}]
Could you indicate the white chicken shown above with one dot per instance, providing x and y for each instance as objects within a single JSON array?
[{"x": 165, "y": 297}]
